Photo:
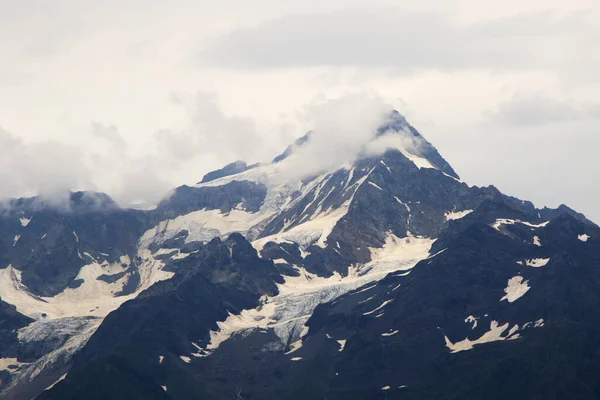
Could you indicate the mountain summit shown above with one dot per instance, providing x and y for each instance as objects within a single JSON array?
[{"x": 376, "y": 275}]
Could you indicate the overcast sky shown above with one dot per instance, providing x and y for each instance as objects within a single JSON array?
[{"x": 133, "y": 97}]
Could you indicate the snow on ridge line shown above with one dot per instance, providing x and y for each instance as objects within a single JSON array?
[
  {"x": 287, "y": 312},
  {"x": 505, "y": 221}
]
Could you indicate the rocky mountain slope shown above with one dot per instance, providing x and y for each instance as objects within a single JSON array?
[{"x": 385, "y": 277}]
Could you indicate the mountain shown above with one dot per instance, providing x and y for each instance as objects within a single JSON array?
[{"x": 384, "y": 277}]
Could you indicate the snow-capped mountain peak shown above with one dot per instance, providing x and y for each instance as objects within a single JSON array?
[{"x": 337, "y": 252}]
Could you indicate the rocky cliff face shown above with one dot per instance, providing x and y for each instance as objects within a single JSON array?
[{"x": 385, "y": 277}]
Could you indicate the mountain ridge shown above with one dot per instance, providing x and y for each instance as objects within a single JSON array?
[{"x": 241, "y": 272}]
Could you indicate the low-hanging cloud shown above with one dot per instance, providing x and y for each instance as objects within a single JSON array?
[
  {"x": 342, "y": 130},
  {"x": 50, "y": 168},
  {"x": 103, "y": 160},
  {"x": 345, "y": 129}
]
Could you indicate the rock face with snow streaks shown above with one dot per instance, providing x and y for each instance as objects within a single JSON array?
[{"x": 383, "y": 277}]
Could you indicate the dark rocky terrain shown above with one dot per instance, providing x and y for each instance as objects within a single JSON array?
[{"x": 387, "y": 278}]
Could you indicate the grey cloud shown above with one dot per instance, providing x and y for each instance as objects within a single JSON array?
[
  {"x": 103, "y": 160},
  {"x": 209, "y": 129},
  {"x": 47, "y": 168},
  {"x": 535, "y": 109},
  {"x": 108, "y": 132},
  {"x": 386, "y": 38}
]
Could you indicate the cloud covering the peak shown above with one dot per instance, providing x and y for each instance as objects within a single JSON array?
[
  {"x": 341, "y": 127},
  {"x": 47, "y": 167}
]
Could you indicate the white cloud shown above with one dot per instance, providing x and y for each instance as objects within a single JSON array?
[
  {"x": 49, "y": 168},
  {"x": 462, "y": 71},
  {"x": 341, "y": 128}
]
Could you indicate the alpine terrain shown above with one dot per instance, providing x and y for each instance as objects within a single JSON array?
[{"x": 386, "y": 277}]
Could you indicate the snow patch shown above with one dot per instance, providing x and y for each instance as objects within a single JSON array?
[
  {"x": 24, "y": 221},
  {"x": 537, "y": 262},
  {"x": 342, "y": 344},
  {"x": 390, "y": 333},
  {"x": 398, "y": 254},
  {"x": 536, "y": 241},
  {"x": 493, "y": 335},
  {"x": 516, "y": 289},
  {"x": 180, "y": 255},
  {"x": 535, "y": 324},
  {"x": 584, "y": 237},
  {"x": 385, "y": 165},
  {"x": 6, "y": 362},
  {"x": 92, "y": 298},
  {"x": 58, "y": 380},
  {"x": 375, "y": 185},
  {"x": 472, "y": 320},
  {"x": 185, "y": 359},
  {"x": 385, "y": 303},
  {"x": 454, "y": 215}
]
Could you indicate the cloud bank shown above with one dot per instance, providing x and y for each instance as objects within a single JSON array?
[
  {"x": 343, "y": 129},
  {"x": 507, "y": 91},
  {"x": 403, "y": 42},
  {"x": 101, "y": 159}
]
